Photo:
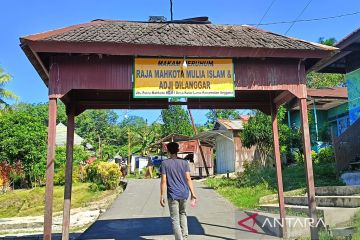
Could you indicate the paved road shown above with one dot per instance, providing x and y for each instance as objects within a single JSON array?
[{"x": 137, "y": 214}]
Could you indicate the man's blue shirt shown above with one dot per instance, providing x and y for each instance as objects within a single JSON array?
[{"x": 175, "y": 171}]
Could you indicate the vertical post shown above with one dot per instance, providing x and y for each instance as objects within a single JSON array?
[
  {"x": 129, "y": 151},
  {"x": 199, "y": 143},
  {"x": 68, "y": 173},
  {"x": 289, "y": 118},
  {"x": 50, "y": 169},
  {"x": 308, "y": 166},
  {"x": 278, "y": 168},
  {"x": 316, "y": 121}
]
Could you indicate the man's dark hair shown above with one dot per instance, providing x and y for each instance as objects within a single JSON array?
[{"x": 172, "y": 147}]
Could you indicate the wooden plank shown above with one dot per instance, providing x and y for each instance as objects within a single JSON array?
[
  {"x": 279, "y": 179},
  {"x": 308, "y": 166},
  {"x": 68, "y": 173},
  {"x": 49, "y": 189}
]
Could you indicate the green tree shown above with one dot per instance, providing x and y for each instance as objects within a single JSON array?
[
  {"x": 214, "y": 114},
  {"x": 79, "y": 155},
  {"x": 258, "y": 131},
  {"x": 176, "y": 121},
  {"x": 23, "y": 137},
  {"x": 4, "y": 93},
  {"x": 321, "y": 80},
  {"x": 327, "y": 41},
  {"x": 101, "y": 129}
]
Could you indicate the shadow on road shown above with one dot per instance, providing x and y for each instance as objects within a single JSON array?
[
  {"x": 136, "y": 228},
  {"x": 55, "y": 236}
]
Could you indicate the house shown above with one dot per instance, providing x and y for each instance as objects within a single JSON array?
[
  {"x": 347, "y": 61},
  {"x": 330, "y": 116},
  {"x": 230, "y": 154},
  {"x": 61, "y": 131},
  {"x": 190, "y": 149}
]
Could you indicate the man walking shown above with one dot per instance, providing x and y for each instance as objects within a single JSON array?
[{"x": 175, "y": 177}]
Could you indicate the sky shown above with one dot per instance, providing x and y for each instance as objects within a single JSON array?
[{"x": 21, "y": 18}]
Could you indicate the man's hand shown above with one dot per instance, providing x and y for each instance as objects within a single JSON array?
[
  {"x": 162, "y": 201},
  {"x": 193, "y": 196}
]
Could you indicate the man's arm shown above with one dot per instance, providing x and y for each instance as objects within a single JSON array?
[
  {"x": 162, "y": 189},
  {"x": 190, "y": 184}
]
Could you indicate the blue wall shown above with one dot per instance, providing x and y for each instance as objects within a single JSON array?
[{"x": 353, "y": 86}]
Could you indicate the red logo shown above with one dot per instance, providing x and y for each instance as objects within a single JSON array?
[{"x": 253, "y": 217}]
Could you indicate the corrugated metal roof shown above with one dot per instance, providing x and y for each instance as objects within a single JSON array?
[
  {"x": 231, "y": 124},
  {"x": 329, "y": 92},
  {"x": 61, "y": 131}
]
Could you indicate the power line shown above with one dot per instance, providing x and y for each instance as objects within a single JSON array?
[
  {"x": 308, "y": 3},
  {"x": 266, "y": 12},
  {"x": 307, "y": 20}
]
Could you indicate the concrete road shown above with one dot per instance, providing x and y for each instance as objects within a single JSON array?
[{"x": 137, "y": 214}]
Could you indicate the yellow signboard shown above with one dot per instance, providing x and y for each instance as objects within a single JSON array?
[{"x": 179, "y": 77}]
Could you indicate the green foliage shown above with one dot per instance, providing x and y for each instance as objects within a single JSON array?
[
  {"x": 79, "y": 155},
  {"x": 59, "y": 177},
  {"x": 328, "y": 41},
  {"x": 214, "y": 114},
  {"x": 321, "y": 80},
  {"x": 23, "y": 137},
  {"x": 357, "y": 225},
  {"x": 101, "y": 130},
  {"x": 176, "y": 121},
  {"x": 30, "y": 202},
  {"x": 5, "y": 78},
  {"x": 325, "y": 155},
  {"x": 258, "y": 131},
  {"x": 256, "y": 181},
  {"x": 104, "y": 174},
  {"x": 41, "y": 111}
]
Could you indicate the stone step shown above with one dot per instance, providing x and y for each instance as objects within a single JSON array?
[
  {"x": 337, "y": 191},
  {"x": 327, "y": 201},
  {"x": 291, "y": 210},
  {"x": 333, "y": 216}
]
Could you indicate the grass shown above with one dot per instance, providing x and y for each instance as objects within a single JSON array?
[
  {"x": 30, "y": 202},
  {"x": 254, "y": 183},
  {"x": 356, "y": 224}
]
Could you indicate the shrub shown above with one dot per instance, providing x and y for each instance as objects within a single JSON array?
[
  {"x": 59, "y": 177},
  {"x": 314, "y": 156},
  {"x": 326, "y": 155},
  {"x": 299, "y": 157},
  {"x": 105, "y": 175}
]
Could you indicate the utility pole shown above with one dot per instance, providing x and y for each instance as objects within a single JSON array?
[{"x": 199, "y": 143}]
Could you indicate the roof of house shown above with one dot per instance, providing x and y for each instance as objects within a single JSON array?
[
  {"x": 229, "y": 124},
  {"x": 328, "y": 92},
  {"x": 61, "y": 132},
  {"x": 324, "y": 98},
  {"x": 342, "y": 61},
  {"x": 174, "y": 34},
  {"x": 170, "y": 138}
]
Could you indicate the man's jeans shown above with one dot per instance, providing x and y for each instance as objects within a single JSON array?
[{"x": 179, "y": 219}]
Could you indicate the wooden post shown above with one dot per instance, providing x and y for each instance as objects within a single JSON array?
[
  {"x": 278, "y": 169},
  {"x": 199, "y": 143},
  {"x": 50, "y": 169},
  {"x": 308, "y": 166},
  {"x": 68, "y": 174}
]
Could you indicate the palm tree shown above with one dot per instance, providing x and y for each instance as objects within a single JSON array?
[{"x": 4, "y": 93}]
